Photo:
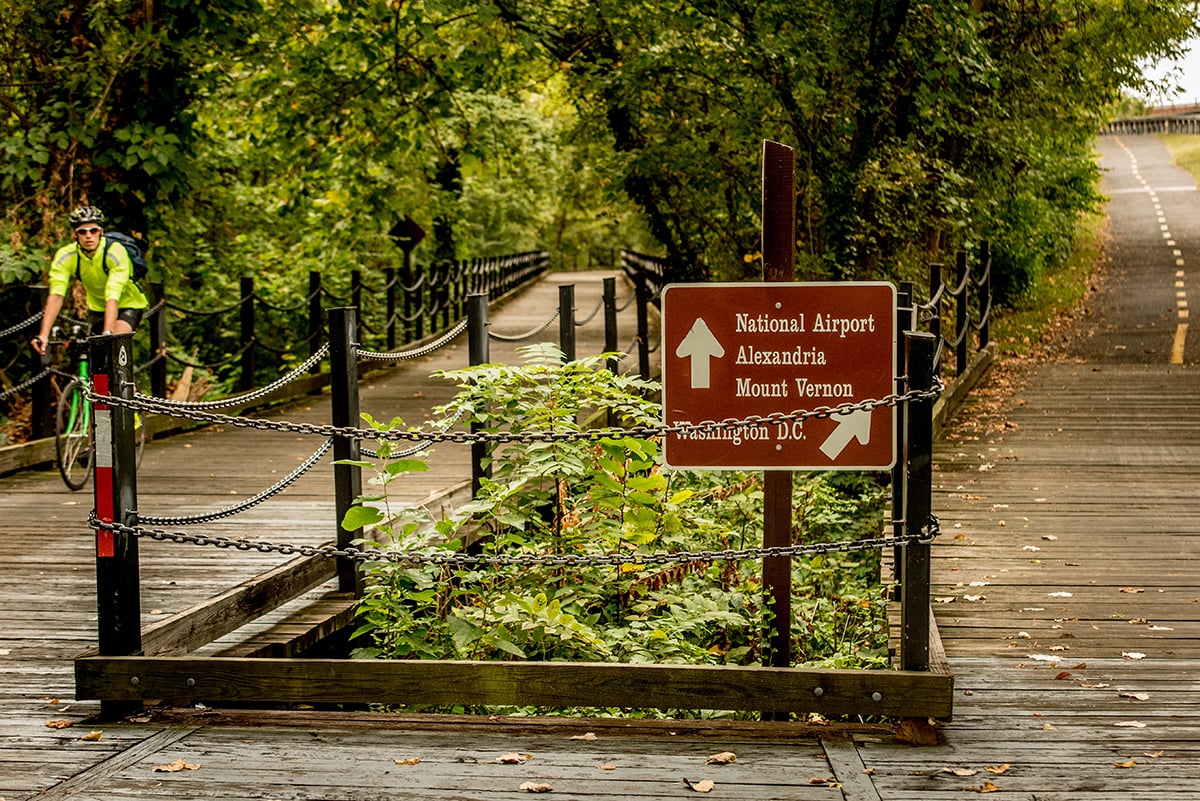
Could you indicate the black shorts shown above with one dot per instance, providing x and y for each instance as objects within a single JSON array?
[{"x": 131, "y": 316}]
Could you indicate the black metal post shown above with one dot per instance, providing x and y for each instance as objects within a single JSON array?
[
  {"x": 778, "y": 248},
  {"x": 314, "y": 317},
  {"x": 158, "y": 340},
  {"x": 247, "y": 316},
  {"x": 566, "y": 321},
  {"x": 936, "y": 288},
  {"x": 642, "y": 300},
  {"x": 985, "y": 294},
  {"x": 42, "y": 423},
  {"x": 962, "y": 313},
  {"x": 343, "y": 389},
  {"x": 479, "y": 352},
  {"x": 918, "y": 503},
  {"x": 610, "y": 322},
  {"x": 905, "y": 322},
  {"x": 389, "y": 277},
  {"x": 118, "y": 591}
]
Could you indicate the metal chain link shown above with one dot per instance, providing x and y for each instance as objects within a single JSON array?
[
  {"x": 240, "y": 400},
  {"x": 415, "y": 353},
  {"x": 592, "y": 316},
  {"x": 20, "y": 326},
  {"x": 529, "y": 335},
  {"x": 24, "y": 384},
  {"x": 146, "y": 403},
  {"x": 230, "y": 511},
  {"x": 460, "y": 559}
]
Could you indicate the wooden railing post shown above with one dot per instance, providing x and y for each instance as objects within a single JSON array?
[
  {"x": 347, "y": 478},
  {"x": 247, "y": 319},
  {"x": 914, "y": 592},
  {"x": 118, "y": 589},
  {"x": 566, "y": 321},
  {"x": 158, "y": 341}
]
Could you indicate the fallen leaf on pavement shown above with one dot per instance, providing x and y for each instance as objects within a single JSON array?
[
  {"x": 998, "y": 770},
  {"x": 175, "y": 767},
  {"x": 824, "y": 782},
  {"x": 988, "y": 787},
  {"x": 59, "y": 724},
  {"x": 704, "y": 786},
  {"x": 1131, "y": 763},
  {"x": 964, "y": 772},
  {"x": 409, "y": 761},
  {"x": 512, "y": 758},
  {"x": 723, "y": 758},
  {"x": 92, "y": 736},
  {"x": 536, "y": 787}
]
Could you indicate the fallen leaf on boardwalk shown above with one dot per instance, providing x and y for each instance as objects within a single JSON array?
[
  {"x": 964, "y": 772},
  {"x": 1047, "y": 727},
  {"x": 998, "y": 770},
  {"x": 536, "y": 787},
  {"x": 1045, "y": 658},
  {"x": 974, "y": 597},
  {"x": 589, "y": 737},
  {"x": 92, "y": 736},
  {"x": 1031, "y": 548},
  {"x": 512, "y": 758},
  {"x": 1160, "y": 628},
  {"x": 704, "y": 786},
  {"x": 1060, "y": 648},
  {"x": 1135, "y": 696},
  {"x": 175, "y": 767},
  {"x": 944, "y": 600},
  {"x": 1132, "y": 590},
  {"x": 1059, "y": 595},
  {"x": 915, "y": 731},
  {"x": 988, "y": 787},
  {"x": 1155, "y": 755},
  {"x": 1131, "y": 724},
  {"x": 606, "y": 767},
  {"x": 1138, "y": 620},
  {"x": 824, "y": 782},
  {"x": 723, "y": 758},
  {"x": 1132, "y": 655},
  {"x": 409, "y": 761},
  {"x": 1131, "y": 763},
  {"x": 1024, "y": 635},
  {"x": 1062, "y": 675},
  {"x": 59, "y": 724},
  {"x": 1100, "y": 686},
  {"x": 1049, "y": 537}
]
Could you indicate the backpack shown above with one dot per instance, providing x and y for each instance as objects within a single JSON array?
[{"x": 136, "y": 257}]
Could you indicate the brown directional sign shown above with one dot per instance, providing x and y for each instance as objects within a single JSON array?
[
  {"x": 733, "y": 351},
  {"x": 407, "y": 234}
]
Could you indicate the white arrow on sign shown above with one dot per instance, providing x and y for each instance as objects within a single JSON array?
[
  {"x": 700, "y": 346},
  {"x": 850, "y": 425}
]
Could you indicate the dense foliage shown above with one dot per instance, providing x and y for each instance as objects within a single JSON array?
[{"x": 598, "y": 498}]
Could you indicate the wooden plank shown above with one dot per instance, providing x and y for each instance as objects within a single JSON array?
[{"x": 220, "y": 680}]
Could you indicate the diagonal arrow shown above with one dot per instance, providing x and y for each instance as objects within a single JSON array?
[
  {"x": 700, "y": 346},
  {"x": 850, "y": 425}
]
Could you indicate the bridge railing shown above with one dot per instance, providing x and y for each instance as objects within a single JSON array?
[{"x": 1156, "y": 124}]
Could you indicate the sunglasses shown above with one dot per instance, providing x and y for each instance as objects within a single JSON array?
[{"x": 88, "y": 231}]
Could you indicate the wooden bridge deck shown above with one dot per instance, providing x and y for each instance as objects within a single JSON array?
[{"x": 1066, "y": 596}]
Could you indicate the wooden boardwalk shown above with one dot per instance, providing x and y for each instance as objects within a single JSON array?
[{"x": 1066, "y": 593}]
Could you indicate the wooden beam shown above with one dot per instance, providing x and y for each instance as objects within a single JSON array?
[{"x": 223, "y": 680}]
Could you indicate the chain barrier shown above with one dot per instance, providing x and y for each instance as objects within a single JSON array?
[
  {"x": 415, "y": 353},
  {"x": 529, "y": 335},
  {"x": 706, "y": 429},
  {"x": 230, "y": 511},
  {"x": 26, "y": 384},
  {"x": 581, "y": 323},
  {"x": 460, "y": 559},
  {"x": 20, "y": 326},
  {"x": 246, "y": 398}
]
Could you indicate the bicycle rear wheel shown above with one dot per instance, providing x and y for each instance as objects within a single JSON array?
[{"x": 73, "y": 437}]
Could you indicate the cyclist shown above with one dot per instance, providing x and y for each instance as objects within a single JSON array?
[{"x": 115, "y": 303}]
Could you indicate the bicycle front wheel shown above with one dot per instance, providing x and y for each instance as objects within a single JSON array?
[{"x": 73, "y": 436}]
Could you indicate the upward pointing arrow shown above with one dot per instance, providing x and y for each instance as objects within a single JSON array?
[
  {"x": 850, "y": 425},
  {"x": 700, "y": 346}
]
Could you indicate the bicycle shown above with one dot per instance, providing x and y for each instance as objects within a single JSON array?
[{"x": 74, "y": 445}]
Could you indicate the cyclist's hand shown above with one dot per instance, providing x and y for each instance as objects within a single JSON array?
[{"x": 39, "y": 344}]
